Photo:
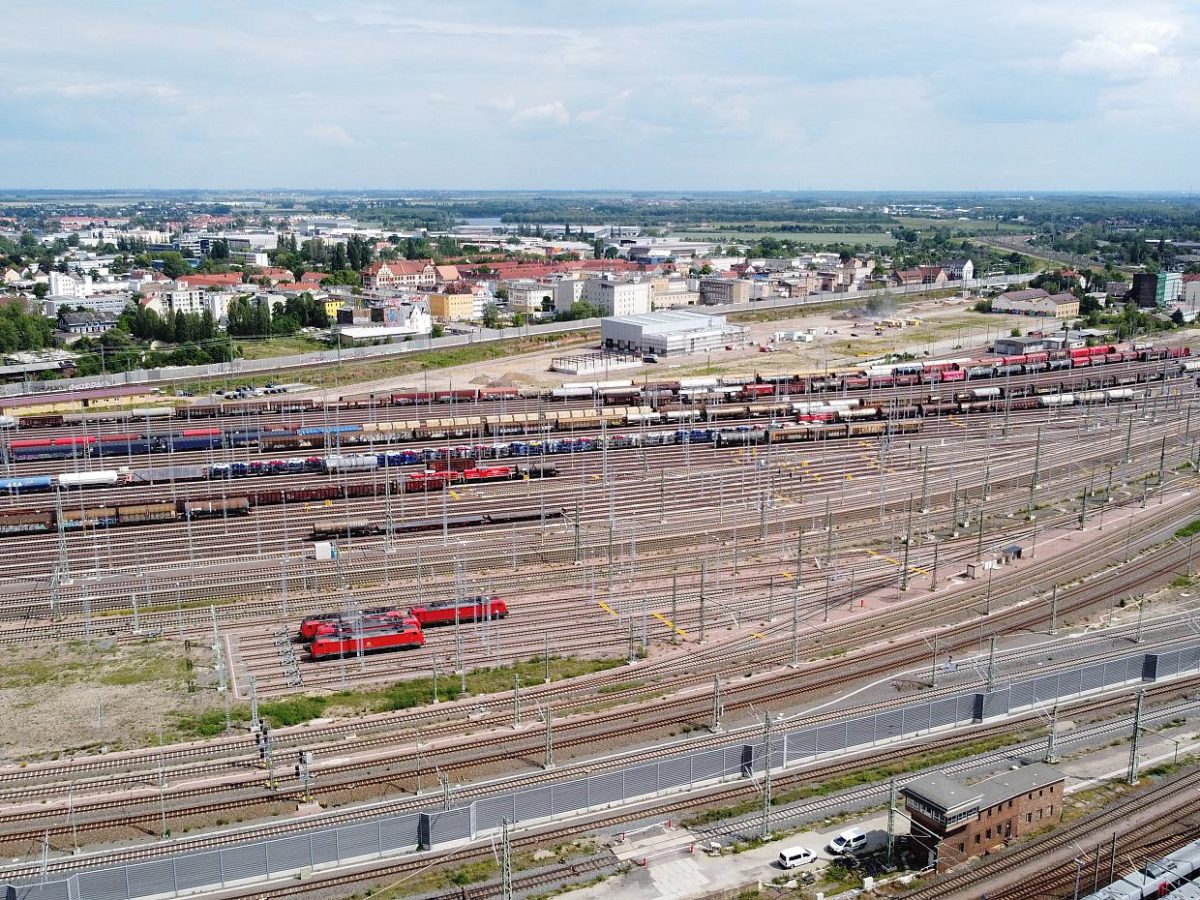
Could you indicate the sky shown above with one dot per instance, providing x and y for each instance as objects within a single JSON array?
[{"x": 608, "y": 94}]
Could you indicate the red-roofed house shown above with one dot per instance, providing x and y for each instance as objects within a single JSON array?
[
  {"x": 222, "y": 279},
  {"x": 313, "y": 277},
  {"x": 400, "y": 273},
  {"x": 276, "y": 273}
]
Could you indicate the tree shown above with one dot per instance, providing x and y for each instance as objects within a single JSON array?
[
  {"x": 518, "y": 319},
  {"x": 491, "y": 316},
  {"x": 438, "y": 330},
  {"x": 174, "y": 265},
  {"x": 41, "y": 289},
  {"x": 1177, "y": 317}
]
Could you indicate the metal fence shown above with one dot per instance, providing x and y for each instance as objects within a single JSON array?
[
  {"x": 678, "y": 769},
  {"x": 323, "y": 357}
]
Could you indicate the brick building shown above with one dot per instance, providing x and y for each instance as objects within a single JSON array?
[{"x": 954, "y": 821}]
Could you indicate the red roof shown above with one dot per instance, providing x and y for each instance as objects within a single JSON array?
[
  {"x": 219, "y": 279},
  {"x": 1191, "y": 276},
  {"x": 313, "y": 277},
  {"x": 299, "y": 286}
]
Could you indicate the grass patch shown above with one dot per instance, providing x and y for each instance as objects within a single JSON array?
[
  {"x": 353, "y": 371},
  {"x": 75, "y": 663},
  {"x": 1188, "y": 530},
  {"x": 1179, "y": 581},
  {"x": 280, "y": 346},
  {"x": 871, "y": 775},
  {"x": 301, "y": 708}
]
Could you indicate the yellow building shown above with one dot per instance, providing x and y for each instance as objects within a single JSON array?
[
  {"x": 452, "y": 307},
  {"x": 332, "y": 305}
]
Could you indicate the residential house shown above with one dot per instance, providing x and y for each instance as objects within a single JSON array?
[
  {"x": 959, "y": 269},
  {"x": 80, "y": 323},
  {"x": 529, "y": 297},
  {"x": 618, "y": 298},
  {"x": 452, "y": 307},
  {"x": 722, "y": 291},
  {"x": 1037, "y": 302},
  {"x": 398, "y": 274}
]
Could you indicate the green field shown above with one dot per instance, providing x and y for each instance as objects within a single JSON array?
[
  {"x": 278, "y": 346},
  {"x": 972, "y": 226},
  {"x": 874, "y": 238}
]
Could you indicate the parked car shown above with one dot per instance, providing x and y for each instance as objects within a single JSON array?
[
  {"x": 793, "y": 857},
  {"x": 848, "y": 841}
]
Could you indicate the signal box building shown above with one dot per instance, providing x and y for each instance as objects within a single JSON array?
[{"x": 954, "y": 821}]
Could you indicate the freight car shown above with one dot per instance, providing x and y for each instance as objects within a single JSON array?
[{"x": 360, "y": 527}]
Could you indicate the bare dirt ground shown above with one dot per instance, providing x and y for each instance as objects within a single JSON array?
[
  {"x": 948, "y": 326},
  {"x": 64, "y": 699}
]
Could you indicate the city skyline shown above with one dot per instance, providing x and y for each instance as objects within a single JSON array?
[{"x": 660, "y": 96}]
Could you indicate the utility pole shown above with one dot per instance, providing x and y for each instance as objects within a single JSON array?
[
  {"x": 1037, "y": 459},
  {"x": 444, "y": 781},
  {"x": 516, "y": 699},
  {"x": 674, "y": 606},
  {"x": 991, "y": 669},
  {"x": 933, "y": 579},
  {"x": 703, "y": 579},
  {"x": 506, "y": 885},
  {"x": 578, "y": 557},
  {"x": 1052, "y": 739},
  {"x": 979, "y": 540},
  {"x": 907, "y": 545},
  {"x": 718, "y": 704},
  {"x": 1054, "y": 611},
  {"x": 1134, "y": 745},
  {"x": 255, "y": 724},
  {"x": 891, "y": 825},
  {"x": 1142, "y": 603},
  {"x": 549, "y": 716},
  {"x": 766, "y": 821},
  {"x": 796, "y": 627},
  {"x": 933, "y": 668},
  {"x": 925, "y": 480},
  {"x": 1083, "y": 506}
]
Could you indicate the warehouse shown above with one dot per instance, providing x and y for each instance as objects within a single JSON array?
[{"x": 669, "y": 333}]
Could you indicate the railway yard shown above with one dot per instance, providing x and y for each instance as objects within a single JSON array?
[{"x": 504, "y": 632}]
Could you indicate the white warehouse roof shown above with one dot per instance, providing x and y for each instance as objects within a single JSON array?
[{"x": 668, "y": 320}]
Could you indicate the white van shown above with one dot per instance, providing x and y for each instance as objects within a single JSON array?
[
  {"x": 792, "y": 857},
  {"x": 848, "y": 841}
]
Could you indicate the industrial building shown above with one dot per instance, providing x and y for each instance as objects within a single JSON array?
[
  {"x": 1156, "y": 289},
  {"x": 954, "y": 821},
  {"x": 669, "y": 333}
]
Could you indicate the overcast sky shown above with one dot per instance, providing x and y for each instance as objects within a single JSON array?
[{"x": 643, "y": 94}]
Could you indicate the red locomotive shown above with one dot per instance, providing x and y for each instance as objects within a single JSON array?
[
  {"x": 329, "y": 621},
  {"x": 348, "y": 641},
  {"x": 472, "y": 609}
]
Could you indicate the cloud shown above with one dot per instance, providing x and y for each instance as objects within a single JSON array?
[
  {"x": 1128, "y": 48},
  {"x": 79, "y": 88},
  {"x": 553, "y": 113},
  {"x": 334, "y": 135}
]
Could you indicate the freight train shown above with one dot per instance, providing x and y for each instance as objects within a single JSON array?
[
  {"x": 72, "y": 517},
  {"x": 626, "y": 393},
  {"x": 366, "y": 527}
]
